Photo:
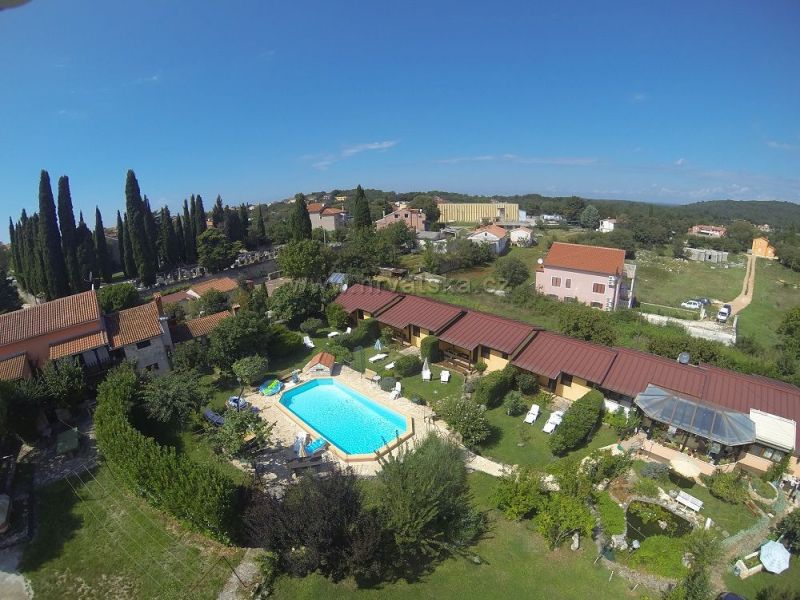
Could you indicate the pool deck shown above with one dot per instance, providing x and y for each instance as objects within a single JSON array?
[{"x": 286, "y": 428}]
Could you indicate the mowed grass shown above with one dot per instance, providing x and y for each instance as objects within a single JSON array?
[
  {"x": 99, "y": 541},
  {"x": 777, "y": 289},
  {"x": 789, "y": 580},
  {"x": 668, "y": 281},
  {"x": 514, "y": 562},
  {"x": 509, "y": 432}
]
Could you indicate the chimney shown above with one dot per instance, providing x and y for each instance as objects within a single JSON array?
[{"x": 159, "y": 303}]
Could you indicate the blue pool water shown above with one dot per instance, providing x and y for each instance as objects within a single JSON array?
[{"x": 345, "y": 418}]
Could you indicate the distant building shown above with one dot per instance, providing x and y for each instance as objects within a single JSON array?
[
  {"x": 469, "y": 212},
  {"x": 761, "y": 247},
  {"x": 326, "y": 217},
  {"x": 607, "y": 225},
  {"x": 765, "y": 228},
  {"x": 521, "y": 236},
  {"x": 493, "y": 235},
  {"x": 414, "y": 219},
  {"x": 549, "y": 219},
  {"x": 705, "y": 255},
  {"x": 713, "y": 231},
  {"x": 587, "y": 274},
  {"x": 436, "y": 239},
  {"x": 341, "y": 198}
]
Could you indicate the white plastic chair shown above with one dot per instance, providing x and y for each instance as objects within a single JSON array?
[
  {"x": 444, "y": 376},
  {"x": 426, "y": 375}
]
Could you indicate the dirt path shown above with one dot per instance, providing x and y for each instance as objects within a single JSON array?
[{"x": 743, "y": 300}]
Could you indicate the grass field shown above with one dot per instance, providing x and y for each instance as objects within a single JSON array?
[
  {"x": 777, "y": 289},
  {"x": 101, "y": 542},
  {"x": 514, "y": 563},
  {"x": 788, "y": 580},
  {"x": 668, "y": 281}
]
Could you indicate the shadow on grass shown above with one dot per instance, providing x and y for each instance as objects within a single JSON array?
[{"x": 492, "y": 440}]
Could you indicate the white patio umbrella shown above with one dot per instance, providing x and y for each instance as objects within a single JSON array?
[
  {"x": 685, "y": 466},
  {"x": 425, "y": 365},
  {"x": 774, "y": 557}
]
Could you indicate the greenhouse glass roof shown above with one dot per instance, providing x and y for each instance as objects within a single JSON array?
[{"x": 727, "y": 427}]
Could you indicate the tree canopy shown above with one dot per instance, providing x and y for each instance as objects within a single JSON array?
[{"x": 215, "y": 251}]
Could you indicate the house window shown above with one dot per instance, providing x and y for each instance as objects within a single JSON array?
[
  {"x": 142, "y": 345},
  {"x": 555, "y": 281},
  {"x": 599, "y": 288},
  {"x": 415, "y": 331},
  {"x": 566, "y": 380},
  {"x": 597, "y": 305},
  {"x": 485, "y": 352},
  {"x": 568, "y": 283}
]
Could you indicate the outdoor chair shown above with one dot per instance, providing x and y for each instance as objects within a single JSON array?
[{"x": 444, "y": 376}]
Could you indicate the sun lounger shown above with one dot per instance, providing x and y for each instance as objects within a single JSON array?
[
  {"x": 348, "y": 330},
  {"x": 533, "y": 414},
  {"x": 308, "y": 342},
  {"x": 444, "y": 376},
  {"x": 553, "y": 422},
  {"x": 378, "y": 357},
  {"x": 398, "y": 388},
  {"x": 299, "y": 464},
  {"x": 333, "y": 334},
  {"x": 426, "y": 375},
  {"x": 318, "y": 445},
  {"x": 389, "y": 366},
  {"x": 213, "y": 418}
]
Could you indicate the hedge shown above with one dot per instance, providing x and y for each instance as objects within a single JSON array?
[
  {"x": 364, "y": 334},
  {"x": 429, "y": 348},
  {"x": 579, "y": 422},
  {"x": 408, "y": 365},
  {"x": 492, "y": 388},
  {"x": 199, "y": 495}
]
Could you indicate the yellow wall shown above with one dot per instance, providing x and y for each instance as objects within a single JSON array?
[
  {"x": 416, "y": 340},
  {"x": 762, "y": 248},
  {"x": 469, "y": 212},
  {"x": 366, "y": 315},
  {"x": 495, "y": 362},
  {"x": 579, "y": 388}
]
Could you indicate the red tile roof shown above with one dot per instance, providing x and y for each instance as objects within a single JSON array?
[
  {"x": 221, "y": 284},
  {"x": 14, "y": 368},
  {"x": 198, "y": 327},
  {"x": 326, "y": 359},
  {"x": 49, "y": 317},
  {"x": 133, "y": 325},
  {"x": 78, "y": 344},
  {"x": 422, "y": 312},
  {"x": 330, "y": 211},
  {"x": 550, "y": 354},
  {"x": 480, "y": 329},
  {"x": 368, "y": 298},
  {"x": 495, "y": 230},
  {"x": 633, "y": 370},
  {"x": 594, "y": 259},
  {"x": 175, "y": 297},
  {"x": 315, "y": 207}
]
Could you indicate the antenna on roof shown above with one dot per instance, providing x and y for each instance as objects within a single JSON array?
[{"x": 683, "y": 358}]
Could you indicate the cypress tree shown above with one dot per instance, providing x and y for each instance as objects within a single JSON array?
[
  {"x": 143, "y": 254},
  {"x": 180, "y": 240},
  {"x": 244, "y": 219},
  {"x": 87, "y": 259},
  {"x": 150, "y": 226},
  {"x": 189, "y": 238},
  {"x": 50, "y": 242},
  {"x": 101, "y": 248},
  {"x": 38, "y": 263},
  {"x": 299, "y": 220},
  {"x": 232, "y": 225},
  {"x": 9, "y": 298},
  {"x": 130, "y": 263},
  {"x": 16, "y": 258},
  {"x": 200, "y": 217},
  {"x": 121, "y": 246},
  {"x": 167, "y": 241},
  {"x": 217, "y": 213},
  {"x": 361, "y": 215},
  {"x": 259, "y": 227},
  {"x": 69, "y": 244}
]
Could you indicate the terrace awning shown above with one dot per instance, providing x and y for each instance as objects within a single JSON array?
[{"x": 727, "y": 427}]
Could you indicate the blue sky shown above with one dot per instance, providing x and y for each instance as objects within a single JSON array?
[{"x": 667, "y": 102}]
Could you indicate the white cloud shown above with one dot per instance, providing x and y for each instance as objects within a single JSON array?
[
  {"x": 680, "y": 162},
  {"x": 639, "y": 97},
  {"x": 326, "y": 160},
  {"x": 776, "y": 145},
  {"x": 559, "y": 161}
]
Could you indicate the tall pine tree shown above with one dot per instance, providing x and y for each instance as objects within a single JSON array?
[
  {"x": 180, "y": 239},
  {"x": 167, "y": 241},
  {"x": 299, "y": 220},
  {"x": 101, "y": 248},
  {"x": 217, "y": 213},
  {"x": 143, "y": 252},
  {"x": 232, "y": 225},
  {"x": 189, "y": 238},
  {"x": 122, "y": 247},
  {"x": 361, "y": 216},
  {"x": 150, "y": 228},
  {"x": 87, "y": 259},
  {"x": 50, "y": 242},
  {"x": 66, "y": 222},
  {"x": 200, "y": 217},
  {"x": 16, "y": 257}
]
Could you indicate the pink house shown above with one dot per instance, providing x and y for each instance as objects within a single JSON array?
[
  {"x": 587, "y": 274},
  {"x": 414, "y": 219}
]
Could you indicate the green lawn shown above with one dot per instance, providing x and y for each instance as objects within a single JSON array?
[
  {"x": 109, "y": 544},
  {"x": 668, "y": 281},
  {"x": 504, "y": 446},
  {"x": 788, "y": 580},
  {"x": 515, "y": 563},
  {"x": 777, "y": 289}
]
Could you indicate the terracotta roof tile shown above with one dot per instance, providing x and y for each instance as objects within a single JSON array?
[
  {"x": 78, "y": 344},
  {"x": 594, "y": 259},
  {"x": 321, "y": 358},
  {"x": 368, "y": 298},
  {"x": 480, "y": 329},
  {"x": 198, "y": 327},
  {"x": 550, "y": 354},
  {"x": 221, "y": 284},
  {"x": 48, "y": 317},
  {"x": 422, "y": 312},
  {"x": 330, "y": 211},
  {"x": 495, "y": 230},
  {"x": 133, "y": 325},
  {"x": 14, "y": 368},
  {"x": 315, "y": 207}
]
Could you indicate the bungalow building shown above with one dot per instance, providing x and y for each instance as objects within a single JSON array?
[
  {"x": 761, "y": 247},
  {"x": 436, "y": 239},
  {"x": 413, "y": 318},
  {"x": 199, "y": 328},
  {"x": 493, "y": 235},
  {"x": 326, "y": 217},
  {"x": 363, "y": 302},
  {"x": 590, "y": 275},
  {"x": 521, "y": 236},
  {"x": 414, "y": 219},
  {"x": 141, "y": 335},
  {"x": 607, "y": 225},
  {"x": 712, "y": 231}
]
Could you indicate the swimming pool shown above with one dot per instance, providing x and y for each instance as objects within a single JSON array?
[{"x": 348, "y": 420}]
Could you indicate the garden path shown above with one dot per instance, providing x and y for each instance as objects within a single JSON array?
[{"x": 743, "y": 300}]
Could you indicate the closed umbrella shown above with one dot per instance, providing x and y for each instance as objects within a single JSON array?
[
  {"x": 300, "y": 444},
  {"x": 378, "y": 345},
  {"x": 774, "y": 557}
]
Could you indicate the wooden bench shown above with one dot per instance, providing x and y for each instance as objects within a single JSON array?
[{"x": 689, "y": 501}]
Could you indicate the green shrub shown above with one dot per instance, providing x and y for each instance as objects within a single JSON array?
[
  {"x": 655, "y": 470},
  {"x": 729, "y": 487},
  {"x": 562, "y": 516},
  {"x": 311, "y": 326},
  {"x": 387, "y": 383},
  {"x": 518, "y": 494},
  {"x": 198, "y": 494},
  {"x": 191, "y": 354},
  {"x": 661, "y": 555},
  {"x": 604, "y": 464},
  {"x": 480, "y": 366},
  {"x": 647, "y": 488},
  {"x": 623, "y": 425},
  {"x": 514, "y": 403},
  {"x": 251, "y": 369},
  {"x": 283, "y": 342},
  {"x": 579, "y": 423},
  {"x": 612, "y": 517},
  {"x": 408, "y": 365},
  {"x": 342, "y": 354},
  {"x": 364, "y": 334},
  {"x": 429, "y": 348},
  {"x": 789, "y": 528},
  {"x": 776, "y": 470},
  {"x": 269, "y": 566},
  {"x": 467, "y": 418},
  {"x": 337, "y": 316},
  {"x": 492, "y": 388},
  {"x": 527, "y": 383}
]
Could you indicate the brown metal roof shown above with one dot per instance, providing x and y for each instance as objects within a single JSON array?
[
  {"x": 549, "y": 354},
  {"x": 14, "y": 368},
  {"x": 480, "y": 329},
  {"x": 633, "y": 370},
  {"x": 48, "y": 317},
  {"x": 594, "y": 259},
  {"x": 198, "y": 327},
  {"x": 422, "y": 312},
  {"x": 133, "y": 325},
  {"x": 368, "y": 298},
  {"x": 78, "y": 344}
]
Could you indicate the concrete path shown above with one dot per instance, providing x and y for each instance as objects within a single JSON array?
[
  {"x": 247, "y": 572},
  {"x": 743, "y": 300},
  {"x": 13, "y": 586}
]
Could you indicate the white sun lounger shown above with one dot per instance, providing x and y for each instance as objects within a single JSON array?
[
  {"x": 398, "y": 388},
  {"x": 444, "y": 376},
  {"x": 553, "y": 422},
  {"x": 348, "y": 330},
  {"x": 388, "y": 366},
  {"x": 378, "y": 357},
  {"x": 533, "y": 414},
  {"x": 308, "y": 342},
  {"x": 333, "y": 334}
]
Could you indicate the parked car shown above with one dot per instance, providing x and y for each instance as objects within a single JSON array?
[
  {"x": 704, "y": 301},
  {"x": 724, "y": 313},
  {"x": 691, "y": 304},
  {"x": 238, "y": 403}
]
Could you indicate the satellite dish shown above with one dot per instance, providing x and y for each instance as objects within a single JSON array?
[
  {"x": 683, "y": 358},
  {"x": 540, "y": 261}
]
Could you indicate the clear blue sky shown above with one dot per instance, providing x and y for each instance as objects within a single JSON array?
[{"x": 257, "y": 100}]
